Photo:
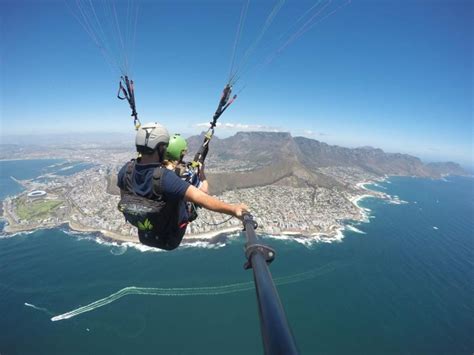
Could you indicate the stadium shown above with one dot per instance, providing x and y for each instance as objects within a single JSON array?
[{"x": 36, "y": 195}]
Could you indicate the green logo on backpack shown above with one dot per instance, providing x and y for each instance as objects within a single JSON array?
[{"x": 145, "y": 226}]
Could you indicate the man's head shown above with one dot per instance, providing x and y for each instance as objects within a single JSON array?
[
  {"x": 177, "y": 148},
  {"x": 152, "y": 137}
]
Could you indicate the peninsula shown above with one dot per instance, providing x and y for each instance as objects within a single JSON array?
[{"x": 294, "y": 186}]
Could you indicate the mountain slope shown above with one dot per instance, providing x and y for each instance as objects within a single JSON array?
[{"x": 264, "y": 158}]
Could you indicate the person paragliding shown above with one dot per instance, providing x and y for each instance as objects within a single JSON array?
[
  {"x": 174, "y": 160},
  {"x": 154, "y": 198}
]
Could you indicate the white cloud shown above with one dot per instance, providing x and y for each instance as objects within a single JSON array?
[
  {"x": 228, "y": 128},
  {"x": 311, "y": 134}
]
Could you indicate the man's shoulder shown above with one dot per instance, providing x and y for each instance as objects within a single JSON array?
[
  {"x": 121, "y": 174},
  {"x": 127, "y": 165},
  {"x": 169, "y": 175},
  {"x": 172, "y": 183},
  {"x": 124, "y": 168}
]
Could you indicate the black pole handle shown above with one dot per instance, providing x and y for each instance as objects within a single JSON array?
[{"x": 276, "y": 333}]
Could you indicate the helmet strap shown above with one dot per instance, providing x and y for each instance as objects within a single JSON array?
[
  {"x": 147, "y": 135},
  {"x": 161, "y": 149}
]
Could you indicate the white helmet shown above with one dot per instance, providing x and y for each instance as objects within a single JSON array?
[{"x": 151, "y": 134}]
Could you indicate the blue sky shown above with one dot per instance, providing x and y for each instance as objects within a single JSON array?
[{"x": 392, "y": 74}]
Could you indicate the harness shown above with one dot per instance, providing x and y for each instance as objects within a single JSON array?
[
  {"x": 186, "y": 172},
  {"x": 156, "y": 218}
]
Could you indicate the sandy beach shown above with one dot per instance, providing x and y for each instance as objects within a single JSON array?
[{"x": 355, "y": 199}]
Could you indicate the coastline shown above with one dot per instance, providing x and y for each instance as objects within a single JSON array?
[
  {"x": 334, "y": 233},
  {"x": 356, "y": 199},
  {"x": 46, "y": 158},
  {"x": 211, "y": 235}
]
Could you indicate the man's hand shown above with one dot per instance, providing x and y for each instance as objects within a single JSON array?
[
  {"x": 240, "y": 210},
  {"x": 211, "y": 203}
]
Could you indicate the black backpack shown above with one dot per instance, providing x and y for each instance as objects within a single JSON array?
[{"x": 155, "y": 218}]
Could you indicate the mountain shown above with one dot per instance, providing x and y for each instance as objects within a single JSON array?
[
  {"x": 317, "y": 154},
  {"x": 263, "y": 158},
  {"x": 447, "y": 168},
  {"x": 252, "y": 159},
  {"x": 257, "y": 148}
]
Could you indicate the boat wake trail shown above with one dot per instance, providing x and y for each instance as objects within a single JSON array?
[
  {"x": 192, "y": 291},
  {"x": 149, "y": 291},
  {"x": 39, "y": 308}
]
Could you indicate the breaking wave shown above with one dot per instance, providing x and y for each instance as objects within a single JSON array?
[
  {"x": 354, "y": 229},
  {"x": 118, "y": 250}
]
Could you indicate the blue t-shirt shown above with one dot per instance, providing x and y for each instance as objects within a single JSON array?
[{"x": 172, "y": 186}]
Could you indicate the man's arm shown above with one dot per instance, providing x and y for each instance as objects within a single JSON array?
[
  {"x": 211, "y": 203},
  {"x": 174, "y": 187}
]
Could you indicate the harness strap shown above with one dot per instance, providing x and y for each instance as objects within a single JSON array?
[
  {"x": 129, "y": 176},
  {"x": 157, "y": 179},
  {"x": 130, "y": 166},
  {"x": 158, "y": 182}
]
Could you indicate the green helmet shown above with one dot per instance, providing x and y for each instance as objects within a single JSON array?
[{"x": 177, "y": 147}]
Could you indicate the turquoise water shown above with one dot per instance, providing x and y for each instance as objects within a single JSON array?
[
  {"x": 21, "y": 169},
  {"x": 30, "y": 169},
  {"x": 403, "y": 287}
]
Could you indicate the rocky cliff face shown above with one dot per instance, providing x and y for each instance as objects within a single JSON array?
[
  {"x": 317, "y": 154},
  {"x": 257, "y": 148},
  {"x": 447, "y": 168},
  {"x": 279, "y": 157}
]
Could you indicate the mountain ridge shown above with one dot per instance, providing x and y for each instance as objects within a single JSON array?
[{"x": 275, "y": 156}]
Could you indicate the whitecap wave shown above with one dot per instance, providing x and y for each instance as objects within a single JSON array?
[
  {"x": 356, "y": 199},
  {"x": 143, "y": 248},
  {"x": 397, "y": 202},
  {"x": 118, "y": 250},
  {"x": 97, "y": 238},
  {"x": 202, "y": 244},
  {"x": 354, "y": 229},
  {"x": 309, "y": 240},
  {"x": 284, "y": 237},
  {"x": 17, "y": 234}
]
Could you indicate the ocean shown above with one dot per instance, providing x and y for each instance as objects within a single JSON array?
[{"x": 401, "y": 283}]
